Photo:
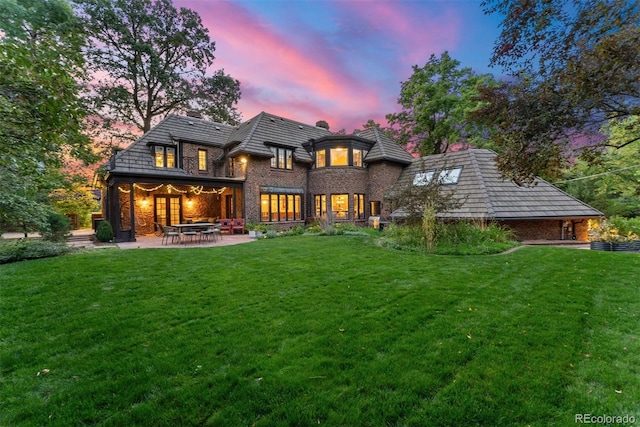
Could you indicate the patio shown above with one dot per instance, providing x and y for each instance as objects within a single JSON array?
[{"x": 146, "y": 242}]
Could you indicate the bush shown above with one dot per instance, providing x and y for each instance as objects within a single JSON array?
[
  {"x": 25, "y": 249},
  {"x": 458, "y": 238},
  {"x": 58, "y": 227},
  {"x": 104, "y": 232}
]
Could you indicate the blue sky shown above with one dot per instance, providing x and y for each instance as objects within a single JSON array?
[{"x": 339, "y": 60}]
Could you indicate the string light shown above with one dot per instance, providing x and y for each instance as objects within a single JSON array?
[{"x": 195, "y": 189}]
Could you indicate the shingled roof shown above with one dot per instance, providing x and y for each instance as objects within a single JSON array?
[
  {"x": 257, "y": 134},
  {"x": 137, "y": 158},
  {"x": 253, "y": 137},
  {"x": 385, "y": 148},
  {"x": 490, "y": 196}
]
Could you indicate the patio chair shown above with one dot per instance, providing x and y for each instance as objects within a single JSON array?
[
  {"x": 167, "y": 232},
  {"x": 237, "y": 224},
  {"x": 226, "y": 225},
  {"x": 209, "y": 233},
  {"x": 189, "y": 234}
]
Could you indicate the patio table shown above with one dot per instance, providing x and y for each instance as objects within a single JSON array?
[{"x": 193, "y": 228}]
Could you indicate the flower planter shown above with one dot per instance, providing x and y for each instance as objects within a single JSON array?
[
  {"x": 632, "y": 246},
  {"x": 600, "y": 246},
  {"x": 252, "y": 234}
]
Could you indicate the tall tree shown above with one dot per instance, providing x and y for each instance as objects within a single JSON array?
[
  {"x": 151, "y": 59},
  {"x": 41, "y": 113},
  {"x": 586, "y": 52},
  {"x": 436, "y": 101}
]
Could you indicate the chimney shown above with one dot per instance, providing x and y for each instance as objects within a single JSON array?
[{"x": 322, "y": 124}]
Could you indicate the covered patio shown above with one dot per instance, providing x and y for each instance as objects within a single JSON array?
[{"x": 134, "y": 207}]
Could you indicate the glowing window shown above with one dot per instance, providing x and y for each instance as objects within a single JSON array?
[
  {"x": 339, "y": 157},
  {"x": 202, "y": 160},
  {"x": 321, "y": 158}
]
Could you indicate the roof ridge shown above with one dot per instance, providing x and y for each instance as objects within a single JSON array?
[{"x": 483, "y": 188}]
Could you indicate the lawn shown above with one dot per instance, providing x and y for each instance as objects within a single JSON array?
[{"x": 314, "y": 330}]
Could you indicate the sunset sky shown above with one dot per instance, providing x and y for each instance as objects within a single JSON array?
[{"x": 338, "y": 60}]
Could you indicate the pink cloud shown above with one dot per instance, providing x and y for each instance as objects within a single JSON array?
[
  {"x": 346, "y": 77},
  {"x": 274, "y": 70}
]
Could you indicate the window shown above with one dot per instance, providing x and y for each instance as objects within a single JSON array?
[
  {"x": 282, "y": 158},
  {"x": 340, "y": 206},
  {"x": 280, "y": 207},
  {"x": 358, "y": 206},
  {"x": 339, "y": 157},
  {"x": 446, "y": 176},
  {"x": 202, "y": 160},
  {"x": 321, "y": 158},
  {"x": 320, "y": 203},
  {"x": 165, "y": 157},
  {"x": 358, "y": 155}
]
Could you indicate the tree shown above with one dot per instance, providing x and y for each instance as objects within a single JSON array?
[
  {"x": 150, "y": 59},
  {"x": 436, "y": 101},
  {"x": 41, "y": 112},
  {"x": 418, "y": 196},
  {"x": 612, "y": 182},
  {"x": 587, "y": 53}
]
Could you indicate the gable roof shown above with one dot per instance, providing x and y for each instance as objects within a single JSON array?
[
  {"x": 255, "y": 136},
  {"x": 490, "y": 196},
  {"x": 385, "y": 148}
]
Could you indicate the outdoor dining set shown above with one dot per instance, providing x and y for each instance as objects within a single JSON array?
[{"x": 198, "y": 232}]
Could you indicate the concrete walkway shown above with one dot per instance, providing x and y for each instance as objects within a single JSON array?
[{"x": 83, "y": 239}]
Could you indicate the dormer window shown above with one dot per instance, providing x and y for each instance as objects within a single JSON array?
[
  {"x": 282, "y": 158},
  {"x": 165, "y": 157}
]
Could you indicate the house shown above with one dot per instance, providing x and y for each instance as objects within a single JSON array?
[
  {"x": 268, "y": 169},
  {"x": 538, "y": 212},
  {"x": 277, "y": 171}
]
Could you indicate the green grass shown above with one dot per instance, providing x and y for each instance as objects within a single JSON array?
[{"x": 305, "y": 330}]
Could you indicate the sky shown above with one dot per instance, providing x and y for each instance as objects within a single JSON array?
[{"x": 341, "y": 61}]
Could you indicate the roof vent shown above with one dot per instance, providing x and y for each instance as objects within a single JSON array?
[
  {"x": 272, "y": 119},
  {"x": 300, "y": 126},
  {"x": 190, "y": 122},
  {"x": 217, "y": 127}
]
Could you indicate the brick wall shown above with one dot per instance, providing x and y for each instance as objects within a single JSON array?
[
  {"x": 382, "y": 176},
  {"x": 546, "y": 229}
]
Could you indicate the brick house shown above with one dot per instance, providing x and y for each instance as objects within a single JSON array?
[
  {"x": 273, "y": 170},
  {"x": 268, "y": 169}
]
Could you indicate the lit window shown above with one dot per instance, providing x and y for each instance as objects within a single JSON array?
[
  {"x": 358, "y": 155},
  {"x": 321, "y": 158},
  {"x": 358, "y": 206},
  {"x": 320, "y": 202},
  {"x": 165, "y": 157},
  {"x": 280, "y": 207},
  {"x": 202, "y": 160},
  {"x": 282, "y": 158},
  {"x": 340, "y": 206},
  {"x": 339, "y": 157},
  {"x": 445, "y": 177}
]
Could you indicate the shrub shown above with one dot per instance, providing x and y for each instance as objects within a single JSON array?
[
  {"x": 104, "y": 232},
  {"x": 58, "y": 228},
  {"x": 25, "y": 249},
  {"x": 457, "y": 238},
  {"x": 271, "y": 234}
]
